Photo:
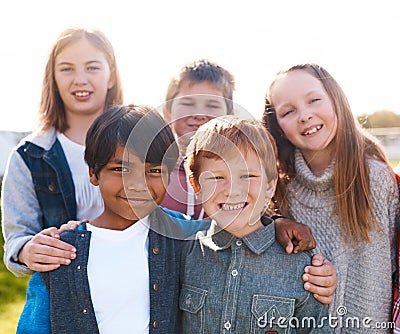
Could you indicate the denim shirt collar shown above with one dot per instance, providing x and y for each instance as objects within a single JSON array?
[{"x": 258, "y": 241}]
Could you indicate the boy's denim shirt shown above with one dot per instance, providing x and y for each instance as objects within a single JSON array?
[{"x": 246, "y": 285}]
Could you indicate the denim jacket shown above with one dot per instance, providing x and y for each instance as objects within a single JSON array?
[
  {"x": 246, "y": 285},
  {"x": 38, "y": 192},
  {"x": 71, "y": 306},
  {"x": 46, "y": 198}
]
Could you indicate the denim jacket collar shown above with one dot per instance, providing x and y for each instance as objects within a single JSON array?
[{"x": 258, "y": 241}]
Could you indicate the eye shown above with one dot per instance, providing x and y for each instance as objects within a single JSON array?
[
  {"x": 155, "y": 171},
  {"x": 121, "y": 169},
  {"x": 66, "y": 69},
  {"x": 187, "y": 104},
  {"x": 248, "y": 176},
  {"x": 215, "y": 177},
  {"x": 287, "y": 112},
  {"x": 314, "y": 100},
  {"x": 93, "y": 68},
  {"x": 214, "y": 106}
]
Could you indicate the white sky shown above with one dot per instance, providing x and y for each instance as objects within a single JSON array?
[{"x": 356, "y": 41}]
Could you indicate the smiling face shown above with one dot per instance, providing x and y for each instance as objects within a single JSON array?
[
  {"x": 83, "y": 78},
  {"x": 305, "y": 114},
  {"x": 130, "y": 188},
  {"x": 234, "y": 191},
  {"x": 195, "y": 104}
]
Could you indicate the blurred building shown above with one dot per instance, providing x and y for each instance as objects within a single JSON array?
[
  {"x": 390, "y": 139},
  {"x": 8, "y": 140}
]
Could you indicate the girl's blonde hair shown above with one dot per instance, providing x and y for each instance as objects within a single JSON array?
[
  {"x": 353, "y": 146},
  {"x": 51, "y": 108}
]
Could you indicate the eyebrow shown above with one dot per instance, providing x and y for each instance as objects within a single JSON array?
[
  {"x": 191, "y": 98},
  {"x": 120, "y": 162},
  {"x": 86, "y": 63}
]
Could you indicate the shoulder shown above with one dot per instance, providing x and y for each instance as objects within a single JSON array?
[
  {"x": 381, "y": 176},
  {"x": 44, "y": 140},
  {"x": 184, "y": 223},
  {"x": 296, "y": 262},
  {"x": 379, "y": 169},
  {"x": 74, "y": 236}
]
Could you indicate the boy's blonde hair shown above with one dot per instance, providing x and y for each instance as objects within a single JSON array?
[
  {"x": 222, "y": 136},
  {"x": 202, "y": 71}
]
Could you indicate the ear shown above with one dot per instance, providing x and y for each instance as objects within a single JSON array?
[
  {"x": 111, "y": 81},
  {"x": 195, "y": 185},
  {"x": 270, "y": 190},
  {"x": 92, "y": 177},
  {"x": 166, "y": 113}
]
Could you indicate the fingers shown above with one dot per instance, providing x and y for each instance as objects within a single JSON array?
[
  {"x": 317, "y": 260},
  {"x": 323, "y": 294},
  {"x": 44, "y": 252},
  {"x": 71, "y": 225},
  {"x": 293, "y": 236},
  {"x": 320, "y": 279}
]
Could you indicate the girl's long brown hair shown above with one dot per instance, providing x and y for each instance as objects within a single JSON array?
[
  {"x": 353, "y": 146},
  {"x": 51, "y": 108}
]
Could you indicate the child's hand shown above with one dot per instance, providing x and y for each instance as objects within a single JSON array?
[
  {"x": 320, "y": 279},
  {"x": 46, "y": 252},
  {"x": 71, "y": 225},
  {"x": 293, "y": 236}
]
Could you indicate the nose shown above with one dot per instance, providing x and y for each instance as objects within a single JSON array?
[
  {"x": 200, "y": 117},
  {"x": 80, "y": 77},
  {"x": 232, "y": 188},
  {"x": 135, "y": 182},
  {"x": 305, "y": 114}
]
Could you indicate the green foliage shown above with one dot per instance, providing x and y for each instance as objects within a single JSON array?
[
  {"x": 12, "y": 296},
  {"x": 380, "y": 119}
]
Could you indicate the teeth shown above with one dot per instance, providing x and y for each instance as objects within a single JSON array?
[
  {"x": 82, "y": 94},
  {"x": 313, "y": 130},
  {"x": 228, "y": 207}
]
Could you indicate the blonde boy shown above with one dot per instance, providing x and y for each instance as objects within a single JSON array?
[{"x": 236, "y": 277}]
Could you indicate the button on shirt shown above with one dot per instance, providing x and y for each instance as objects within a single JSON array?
[{"x": 247, "y": 285}]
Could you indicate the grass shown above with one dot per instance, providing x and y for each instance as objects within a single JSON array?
[{"x": 12, "y": 296}]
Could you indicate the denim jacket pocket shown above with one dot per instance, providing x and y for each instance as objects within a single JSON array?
[
  {"x": 191, "y": 303},
  {"x": 271, "y": 313}
]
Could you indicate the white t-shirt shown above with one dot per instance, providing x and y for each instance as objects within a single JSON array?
[
  {"x": 88, "y": 198},
  {"x": 119, "y": 278}
]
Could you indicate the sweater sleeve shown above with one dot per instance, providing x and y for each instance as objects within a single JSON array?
[
  {"x": 21, "y": 214},
  {"x": 385, "y": 198}
]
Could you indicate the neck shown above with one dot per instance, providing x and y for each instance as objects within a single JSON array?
[
  {"x": 111, "y": 223},
  {"x": 78, "y": 127},
  {"x": 317, "y": 161},
  {"x": 246, "y": 230}
]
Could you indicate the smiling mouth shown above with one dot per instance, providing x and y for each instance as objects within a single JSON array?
[
  {"x": 82, "y": 94},
  {"x": 312, "y": 130},
  {"x": 233, "y": 207},
  {"x": 131, "y": 200}
]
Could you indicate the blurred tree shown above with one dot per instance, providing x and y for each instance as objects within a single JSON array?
[{"x": 380, "y": 119}]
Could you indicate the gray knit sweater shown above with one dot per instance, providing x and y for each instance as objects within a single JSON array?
[{"x": 364, "y": 287}]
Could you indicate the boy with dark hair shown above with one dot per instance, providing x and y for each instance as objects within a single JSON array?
[{"x": 128, "y": 257}]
